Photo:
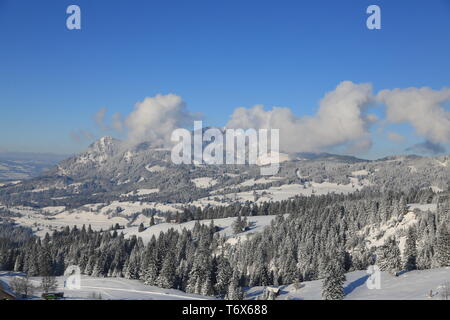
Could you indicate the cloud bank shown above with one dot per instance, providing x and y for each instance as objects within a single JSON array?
[
  {"x": 340, "y": 120},
  {"x": 423, "y": 108},
  {"x": 154, "y": 119}
]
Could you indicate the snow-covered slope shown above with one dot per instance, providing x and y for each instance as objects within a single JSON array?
[
  {"x": 111, "y": 289},
  {"x": 413, "y": 285},
  {"x": 257, "y": 224}
]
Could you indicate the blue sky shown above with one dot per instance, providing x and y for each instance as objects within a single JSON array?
[{"x": 217, "y": 55}]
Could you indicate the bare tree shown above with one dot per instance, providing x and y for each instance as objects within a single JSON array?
[{"x": 22, "y": 286}]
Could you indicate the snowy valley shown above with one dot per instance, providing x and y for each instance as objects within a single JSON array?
[{"x": 139, "y": 227}]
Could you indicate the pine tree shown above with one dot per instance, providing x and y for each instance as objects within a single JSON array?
[
  {"x": 443, "y": 246},
  {"x": 90, "y": 265},
  {"x": 410, "y": 253},
  {"x": 333, "y": 284},
  {"x": 238, "y": 225},
  {"x": 207, "y": 288},
  {"x": 388, "y": 256},
  {"x": 151, "y": 272},
  {"x": 132, "y": 267},
  {"x": 235, "y": 292},
  {"x": 224, "y": 274},
  {"x": 201, "y": 269},
  {"x": 166, "y": 277}
]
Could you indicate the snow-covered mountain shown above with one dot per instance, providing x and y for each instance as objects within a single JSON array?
[
  {"x": 288, "y": 223},
  {"x": 112, "y": 170}
]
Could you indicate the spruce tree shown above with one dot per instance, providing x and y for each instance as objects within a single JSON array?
[
  {"x": 410, "y": 253},
  {"x": 224, "y": 274},
  {"x": 167, "y": 277},
  {"x": 443, "y": 246},
  {"x": 235, "y": 292},
  {"x": 333, "y": 284},
  {"x": 389, "y": 257}
]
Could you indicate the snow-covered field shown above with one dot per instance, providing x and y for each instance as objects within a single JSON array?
[
  {"x": 257, "y": 224},
  {"x": 42, "y": 224},
  {"x": 102, "y": 217},
  {"x": 154, "y": 168},
  {"x": 99, "y": 216},
  {"x": 112, "y": 289},
  {"x": 413, "y": 285},
  {"x": 423, "y": 207},
  {"x": 3, "y": 184},
  {"x": 204, "y": 182},
  {"x": 287, "y": 191},
  {"x": 141, "y": 192}
]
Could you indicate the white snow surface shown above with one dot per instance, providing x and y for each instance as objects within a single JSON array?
[
  {"x": 377, "y": 236},
  {"x": 154, "y": 168},
  {"x": 413, "y": 285},
  {"x": 257, "y": 224},
  {"x": 99, "y": 216},
  {"x": 423, "y": 207},
  {"x": 204, "y": 182},
  {"x": 111, "y": 289},
  {"x": 141, "y": 192},
  {"x": 287, "y": 191}
]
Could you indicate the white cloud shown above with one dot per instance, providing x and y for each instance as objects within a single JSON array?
[
  {"x": 339, "y": 120},
  {"x": 155, "y": 118},
  {"x": 423, "y": 108}
]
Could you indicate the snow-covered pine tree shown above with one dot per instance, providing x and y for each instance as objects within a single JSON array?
[
  {"x": 150, "y": 274},
  {"x": 238, "y": 225},
  {"x": 207, "y": 287},
  {"x": 201, "y": 269},
  {"x": 389, "y": 256},
  {"x": 443, "y": 246},
  {"x": 167, "y": 275},
  {"x": 235, "y": 292},
  {"x": 410, "y": 253},
  {"x": 224, "y": 274},
  {"x": 131, "y": 269},
  {"x": 333, "y": 284}
]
